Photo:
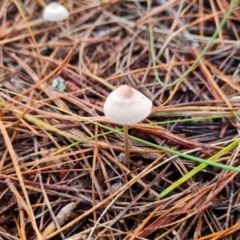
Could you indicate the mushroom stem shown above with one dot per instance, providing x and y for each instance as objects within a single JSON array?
[
  {"x": 126, "y": 143},
  {"x": 57, "y": 30}
]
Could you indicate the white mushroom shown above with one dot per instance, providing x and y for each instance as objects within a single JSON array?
[
  {"x": 55, "y": 12},
  {"x": 126, "y": 106}
]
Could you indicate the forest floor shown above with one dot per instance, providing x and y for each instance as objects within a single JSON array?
[{"x": 63, "y": 171}]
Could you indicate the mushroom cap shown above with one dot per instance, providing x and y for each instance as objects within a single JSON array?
[
  {"x": 55, "y": 12},
  {"x": 126, "y": 106}
]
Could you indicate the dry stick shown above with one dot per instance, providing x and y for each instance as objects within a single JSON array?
[
  {"x": 27, "y": 207},
  {"x": 161, "y": 66},
  {"x": 30, "y": 31},
  {"x": 126, "y": 144},
  {"x": 41, "y": 3},
  {"x": 3, "y": 158},
  {"x": 20, "y": 202},
  {"x": 23, "y": 36},
  {"x": 92, "y": 173},
  {"x": 45, "y": 196}
]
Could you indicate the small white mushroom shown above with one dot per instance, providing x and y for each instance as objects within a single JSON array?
[
  {"x": 55, "y": 12},
  {"x": 126, "y": 106}
]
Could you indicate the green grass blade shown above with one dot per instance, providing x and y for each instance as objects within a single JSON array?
[{"x": 198, "y": 169}]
